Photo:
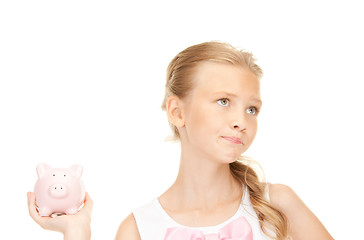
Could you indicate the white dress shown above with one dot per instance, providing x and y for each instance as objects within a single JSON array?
[{"x": 152, "y": 221}]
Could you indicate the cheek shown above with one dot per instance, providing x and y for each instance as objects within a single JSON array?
[
  {"x": 252, "y": 131},
  {"x": 202, "y": 122}
]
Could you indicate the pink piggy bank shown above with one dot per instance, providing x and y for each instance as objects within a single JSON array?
[{"x": 59, "y": 190}]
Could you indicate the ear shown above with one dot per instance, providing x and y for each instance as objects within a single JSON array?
[
  {"x": 174, "y": 109},
  {"x": 42, "y": 168},
  {"x": 76, "y": 170}
]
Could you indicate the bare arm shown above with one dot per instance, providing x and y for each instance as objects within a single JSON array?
[
  {"x": 128, "y": 229},
  {"x": 303, "y": 224}
]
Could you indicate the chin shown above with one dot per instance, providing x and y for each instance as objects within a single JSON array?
[{"x": 230, "y": 159}]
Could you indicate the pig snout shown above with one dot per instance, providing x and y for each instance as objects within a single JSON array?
[{"x": 58, "y": 190}]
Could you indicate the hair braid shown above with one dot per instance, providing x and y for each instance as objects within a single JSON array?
[{"x": 269, "y": 217}]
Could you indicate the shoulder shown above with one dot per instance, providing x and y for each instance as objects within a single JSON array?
[
  {"x": 286, "y": 200},
  {"x": 282, "y": 196},
  {"x": 128, "y": 229},
  {"x": 303, "y": 223}
]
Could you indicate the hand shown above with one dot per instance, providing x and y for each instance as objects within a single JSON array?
[{"x": 72, "y": 226}]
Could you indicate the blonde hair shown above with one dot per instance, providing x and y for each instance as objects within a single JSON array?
[{"x": 179, "y": 83}]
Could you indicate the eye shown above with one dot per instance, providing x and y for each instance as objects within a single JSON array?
[
  {"x": 223, "y": 102},
  {"x": 64, "y": 175},
  {"x": 54, "y": 175},
  {"x": 255, "y": 110}
]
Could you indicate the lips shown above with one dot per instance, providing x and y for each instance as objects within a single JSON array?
[{"x": 233, "y": 139}]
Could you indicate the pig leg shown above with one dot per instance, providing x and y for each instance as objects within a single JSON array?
[
  {"x": 45, "y": 212},
  {"x": 71, "y": 211}
]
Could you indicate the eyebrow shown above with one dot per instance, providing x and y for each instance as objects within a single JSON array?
[{"x": 257, "y": 100}]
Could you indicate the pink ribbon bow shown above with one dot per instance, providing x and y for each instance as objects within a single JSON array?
[{"x": 239, "y": 229}]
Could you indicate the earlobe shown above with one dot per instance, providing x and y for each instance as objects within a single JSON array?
[{"x": 174, "y": 111}]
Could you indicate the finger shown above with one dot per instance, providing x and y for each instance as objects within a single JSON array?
[
  {"x": 33, "y": 212},
  {"x": 88, "y": 201},
  {"x": 88, "y": 204},
  {"x": 32, "y": 208}
]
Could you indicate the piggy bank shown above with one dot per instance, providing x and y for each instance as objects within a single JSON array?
[{"x": 59, "y": 190}]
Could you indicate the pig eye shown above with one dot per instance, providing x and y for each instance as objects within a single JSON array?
[
  {"x": 64, "y": 175},
  {"x": 54, "y": 175}
]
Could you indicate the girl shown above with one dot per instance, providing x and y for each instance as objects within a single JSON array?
[{"x": 212, "y": 101}]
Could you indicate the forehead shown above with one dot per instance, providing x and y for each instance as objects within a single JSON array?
[{"x": 211, "y": 77}]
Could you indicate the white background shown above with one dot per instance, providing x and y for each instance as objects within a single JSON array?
[{"x": 82, "y": 82}]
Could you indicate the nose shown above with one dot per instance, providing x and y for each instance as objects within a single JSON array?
[
  {"x": 238, "y": 127},
  {"x": 58, "y": 190},
  {"x": 238, "y": 123}
]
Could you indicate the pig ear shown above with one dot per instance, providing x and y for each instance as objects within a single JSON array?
[
  {"x": 76, "y": 170},
  {"x": 42, "y": 168}
]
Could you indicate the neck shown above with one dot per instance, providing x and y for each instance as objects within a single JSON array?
[{"x": 203, "y": 182}]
